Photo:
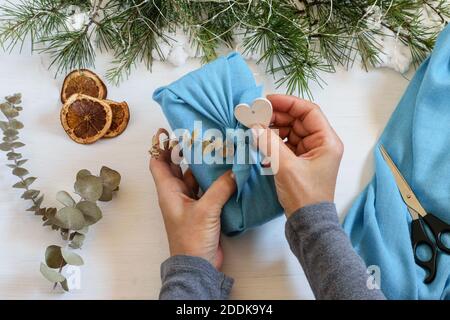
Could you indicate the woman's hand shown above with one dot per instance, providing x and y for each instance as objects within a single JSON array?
[
  {"x": 192, "y": 224},
  {"x": 308, "y": 157}
]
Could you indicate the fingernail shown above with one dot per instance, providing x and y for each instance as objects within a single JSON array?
[{"x": 232, "y": 176}]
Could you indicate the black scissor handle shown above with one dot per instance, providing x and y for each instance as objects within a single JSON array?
[
  {"x": 419, "y": 237},
  {"x": 438, "y": 228}
]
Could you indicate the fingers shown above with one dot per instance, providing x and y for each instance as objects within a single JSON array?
[
  {"x": 291, "y": 105},
  {"x": 303, "y": 116},
  {"x": 270, "y": 144},
  {"x": 309, "y": 127},
  {"x": 281, "y": 119},
  {"x": 283, "y": 132},
  {"x": 176, "y": 170},
  {"x": 191, "y": 182},
  {"x": 160, "y": 170},
  {"x": 219, "y": 192},
  {"x": 161, "y": 165}
]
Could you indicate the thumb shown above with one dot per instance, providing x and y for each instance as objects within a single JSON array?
[
  {"x": 220, "y": 191},
  {"x": 270, "y": 144}
]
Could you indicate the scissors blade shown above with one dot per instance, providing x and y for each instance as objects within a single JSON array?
[{"x": 406, "y": 192}]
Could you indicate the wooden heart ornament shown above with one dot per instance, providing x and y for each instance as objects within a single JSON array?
[{"x": 259, "y": 113}]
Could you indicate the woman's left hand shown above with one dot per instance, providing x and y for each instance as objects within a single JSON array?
[{"x": 192, "y": 224}]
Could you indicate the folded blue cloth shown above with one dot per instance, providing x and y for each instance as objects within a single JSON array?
[
  {"x": 210, "y": 95},
  {"x": 417, "y": 138}
]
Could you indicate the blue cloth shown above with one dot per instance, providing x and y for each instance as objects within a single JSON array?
[
  {"x": 210, "y": 95},
  {"x": 417, "y": 137}
]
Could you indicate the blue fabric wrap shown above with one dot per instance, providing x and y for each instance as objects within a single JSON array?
[
  {"x": 210, "y": 95},
  {"x": 417, "y": 137}
]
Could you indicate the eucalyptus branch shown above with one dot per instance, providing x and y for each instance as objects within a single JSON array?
[
  {"x": 74, "y": 218},
  {"x": 11, "y": 108}
]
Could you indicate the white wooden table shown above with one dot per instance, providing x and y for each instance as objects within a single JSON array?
[{"x": 124, "y": 250}]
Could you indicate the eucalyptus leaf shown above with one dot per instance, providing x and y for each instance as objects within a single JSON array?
[
  {"x": 10, "y": 139},
  {"x": 38, "y": 202},
  {"x": 47, "y": 223},
  {"x": 70, "y": 218},
  {"x": 51, "y": 275},
  {"x": 15, "y": 98},
  {"x": 72, "y": 258},
  {"x": 111, "y": 178},
  {"x": 65, "y": 285},
  {"x": 54, "y": 258},
  {"x": 17, "y": 145},
  {"x": 19, "y": 108},
  {"x": 89, "y": 187},
  {"x": 25, "y": 183},
  {"x": 10, "y": 112},
  {"x": 12, "y": 166},
  {"x": 4, "y": 125},
  {"x": 83, "y": 173},
  {"x": 77, "y": 241},
  {"x": 16, "y": 124},
  {"x": 5, "y": 146},
  {"x": 29, "y": 181},
  {"x": 84, "y": 230},
  {"x": 50, "y": 216},
  {"x": 13, "y": 156},
  {"x": 90, "y": 210},
  {"x": 51, "y": 212},
  {"x": 30, "y": 194},
  {"x": 10, "y": 132},
  {"x": 33, "y": 208},
  {"x": 107, "y": 194},
  {"x": 65, "y": 198},
  {"x": 20, "y": 172},
  {"x": 20, "y": 185},
  {"x": 21, "y": 162}
]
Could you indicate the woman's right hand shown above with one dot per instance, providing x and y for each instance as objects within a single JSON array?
[{"x": 309, "y": 152}]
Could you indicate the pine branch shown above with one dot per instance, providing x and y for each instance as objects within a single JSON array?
[
  {"x": 28, "y": 18},
  {"x": 132, "y": 35},
  {"x": 297, "y": 40},
  {"x": 70, "y": 50},
  {"x": 436, "y": 10}
]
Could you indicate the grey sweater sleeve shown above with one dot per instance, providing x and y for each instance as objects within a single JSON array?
[
  {"x": 192, "y": 278},
  {"x": 332, "y": 267}
]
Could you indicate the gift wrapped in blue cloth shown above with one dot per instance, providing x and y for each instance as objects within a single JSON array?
[
  {"x": 417, "y": 138},
  {"x": 210, "y": 95}
]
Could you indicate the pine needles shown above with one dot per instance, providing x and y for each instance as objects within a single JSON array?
[{"x": 295, "y": 39}]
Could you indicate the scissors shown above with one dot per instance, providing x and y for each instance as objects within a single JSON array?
[{"x": 419, "y": 236}]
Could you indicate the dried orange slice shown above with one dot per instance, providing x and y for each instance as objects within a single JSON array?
[
  {"x": 83, "y": 81},
  {"x": 120, "y": 118},
  {"x": 86, "y": 119}
]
